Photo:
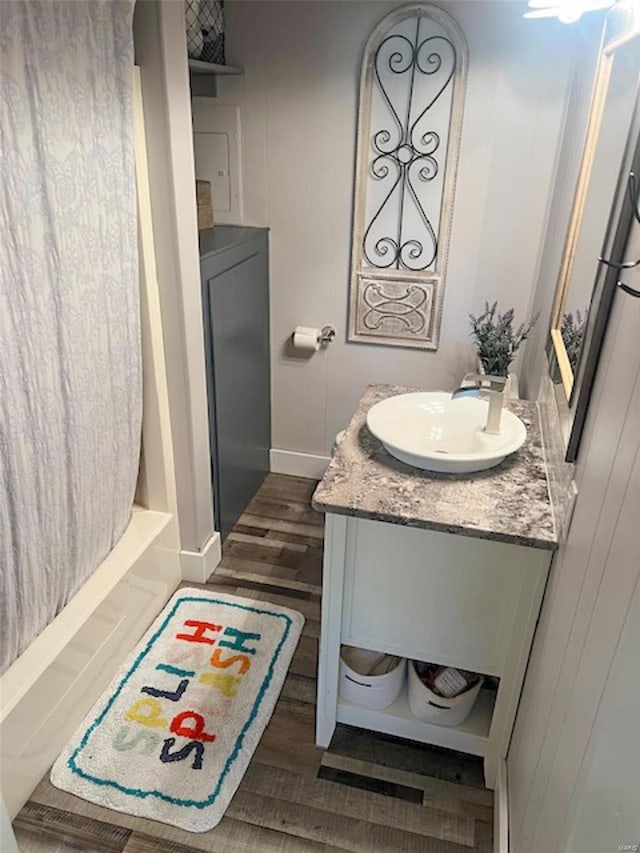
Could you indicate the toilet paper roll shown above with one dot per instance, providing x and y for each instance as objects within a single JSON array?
[{"x": 307, "y": 339}]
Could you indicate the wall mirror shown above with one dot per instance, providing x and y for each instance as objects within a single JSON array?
[
  {"x": 605, "y": 198},
  {"x": 409, "y": 126}
]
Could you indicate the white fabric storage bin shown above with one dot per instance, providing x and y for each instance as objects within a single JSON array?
[
  {"x": 369, "y": 691},
  {"x": 433, "y": 708}
]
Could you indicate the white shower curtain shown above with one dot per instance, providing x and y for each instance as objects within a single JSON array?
[{"x": 70, "y": 361}]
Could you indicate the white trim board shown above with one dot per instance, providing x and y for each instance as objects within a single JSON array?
[
  {"x": 198, "y": 565},
  {"x": 298, "y": 464},
  {"x": 501, "y": 811},
  {"x": 8, "y": 841}
]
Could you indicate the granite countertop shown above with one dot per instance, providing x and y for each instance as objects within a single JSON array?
[{"x": 508, "y": 503}]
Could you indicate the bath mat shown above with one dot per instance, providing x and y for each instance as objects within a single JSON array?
[{"x": 172, "y": 735}]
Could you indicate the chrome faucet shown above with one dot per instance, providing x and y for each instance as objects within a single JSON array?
[{"x": 493, "y": 386}]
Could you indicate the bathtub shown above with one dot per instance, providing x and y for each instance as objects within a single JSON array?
[{"x": 53, "y": 684}]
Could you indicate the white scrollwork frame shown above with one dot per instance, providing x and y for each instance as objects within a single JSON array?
[{"x": 415, "y": 295}]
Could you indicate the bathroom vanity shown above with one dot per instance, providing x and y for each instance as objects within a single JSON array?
[{"x": 449, "y": 569}]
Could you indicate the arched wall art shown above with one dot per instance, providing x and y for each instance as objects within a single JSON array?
[{"x": 409, "y": 127}]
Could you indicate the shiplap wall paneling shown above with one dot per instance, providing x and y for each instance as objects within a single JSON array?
[{"x": 590, "y": 588}]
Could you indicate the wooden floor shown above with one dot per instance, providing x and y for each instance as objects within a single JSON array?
[{"x": 367, "y": 794}]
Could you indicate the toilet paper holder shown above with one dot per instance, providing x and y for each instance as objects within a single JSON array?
[
  {"x": 327, "y": 334},
  {"x": 309, "y": 339}
]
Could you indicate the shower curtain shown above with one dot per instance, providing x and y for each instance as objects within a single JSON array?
[{"x": 70, "y": 359}]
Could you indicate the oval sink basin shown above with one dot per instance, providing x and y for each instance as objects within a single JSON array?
[{"x": 431, "y": 431}]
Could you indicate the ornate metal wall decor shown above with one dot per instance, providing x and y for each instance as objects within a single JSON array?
[{"x": 409, "y": 127}]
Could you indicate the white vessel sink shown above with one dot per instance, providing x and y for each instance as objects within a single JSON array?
[{"x": 431, "y": 431}]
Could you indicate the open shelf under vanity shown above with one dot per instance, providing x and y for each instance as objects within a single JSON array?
[{"x": 471, "y": 737}]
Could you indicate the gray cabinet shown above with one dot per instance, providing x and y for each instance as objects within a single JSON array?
[{"x": 234, "y": 268}]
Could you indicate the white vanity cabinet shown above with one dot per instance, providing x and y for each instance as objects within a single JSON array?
[
  {"x": 450, "y": 599},
  {"x": 440, "y": 569}
]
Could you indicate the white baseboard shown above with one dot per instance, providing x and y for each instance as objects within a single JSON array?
[
  {"x": 501, "y": 811},
  {"x": 7, "y": 838},
  {"x": 298, "y": 464},
  {"x": 197, "y": 565}
]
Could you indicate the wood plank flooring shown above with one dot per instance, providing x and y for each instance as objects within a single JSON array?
[{"x": 367, "y": 794}]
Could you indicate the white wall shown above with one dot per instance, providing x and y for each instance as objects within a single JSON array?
[{"x": 298, "y": 101}]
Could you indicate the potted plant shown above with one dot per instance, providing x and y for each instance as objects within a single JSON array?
[
  {"x": 496, "y": 340},
  {"x": 572, "y": 331}
]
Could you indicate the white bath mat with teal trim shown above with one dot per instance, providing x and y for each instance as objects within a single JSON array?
[{"x": 172, "y": 735}]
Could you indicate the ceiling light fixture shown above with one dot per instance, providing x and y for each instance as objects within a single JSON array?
[{"x": 566, "y": 11}]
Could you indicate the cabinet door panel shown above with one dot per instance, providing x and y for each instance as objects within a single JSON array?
[
  {"x": 435, "y": 596},
  {"x": 239, "y": 356}
]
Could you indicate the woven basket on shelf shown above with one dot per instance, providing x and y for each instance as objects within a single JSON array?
[{"x": 204, "y": 22}]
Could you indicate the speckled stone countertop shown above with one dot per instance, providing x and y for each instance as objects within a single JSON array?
[{"x": 508, "y": 503}]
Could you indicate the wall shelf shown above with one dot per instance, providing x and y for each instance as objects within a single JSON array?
[{"x": 197, "y": 66}]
